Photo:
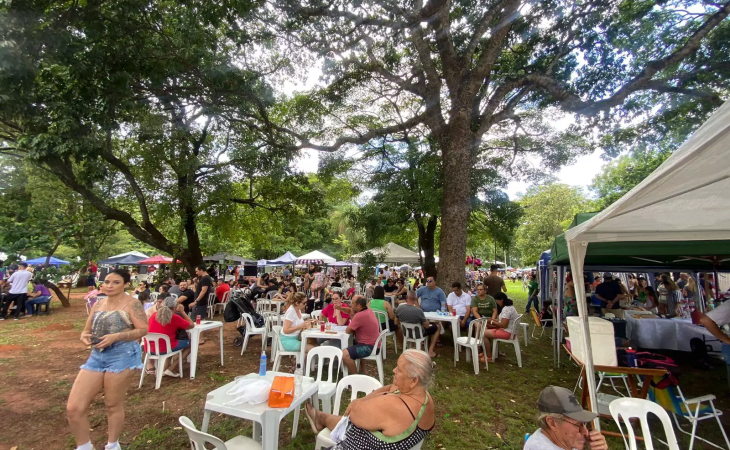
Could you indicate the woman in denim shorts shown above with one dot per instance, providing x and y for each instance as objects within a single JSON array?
[{"x": 112, "y": 330}]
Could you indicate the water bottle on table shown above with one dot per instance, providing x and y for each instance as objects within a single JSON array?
[
  {"x": 262, "y": 364},
  {"x": 298, "y": 380}
]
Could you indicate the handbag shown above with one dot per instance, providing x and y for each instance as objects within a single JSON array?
[{"x": 282, "y": 392}]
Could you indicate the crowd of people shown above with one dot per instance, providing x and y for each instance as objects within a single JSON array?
[{"x": 22, "y": 290}]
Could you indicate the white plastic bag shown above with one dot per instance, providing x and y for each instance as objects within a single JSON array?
[{"x": 251, "y": 391}]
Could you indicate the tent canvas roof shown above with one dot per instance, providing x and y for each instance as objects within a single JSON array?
[
  {"x": 129, "y": 260},
  {"x": 142, "y": 255},
  {"x": 327, "y": 259},
  {"x": 286, "y": 258},
  {"x": 42, "y": 260},
  {"x": 678, "y": 211},
  {"x": 229, "y": 257},
  {"x": 393, "y": 253}
]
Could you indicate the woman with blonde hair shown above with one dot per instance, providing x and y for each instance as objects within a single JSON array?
[
  {"x": 674, "y": 295},
  {"x": 294, "y": 323}
]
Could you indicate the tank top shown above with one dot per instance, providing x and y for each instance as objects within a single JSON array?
[
  {"x": 378, "y": 305},
  {"x": 357, "y": 438},
  {"x": 109, "y": 322}
]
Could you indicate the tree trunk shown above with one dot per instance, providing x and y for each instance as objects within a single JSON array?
[
  {"x": 456, "y": 145},
  {"x": 53, "y": 250},
  {"x": 427, "y": 243},
  {"x": 59, "y": 294}
]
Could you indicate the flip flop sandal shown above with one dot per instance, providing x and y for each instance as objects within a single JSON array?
[
  {"x": 311, "y": 420},
  {"x": 169, "y": 373}
]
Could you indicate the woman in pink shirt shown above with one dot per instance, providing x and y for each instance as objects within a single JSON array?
[{"x": 333, "y": 314}]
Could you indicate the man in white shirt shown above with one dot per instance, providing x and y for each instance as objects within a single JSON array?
[
  {"x": 18, "y": 291},
  {"x": 563, "y": 423},
  {"x": 715, "y": 319},
  {"x": 460, "y": 302}
]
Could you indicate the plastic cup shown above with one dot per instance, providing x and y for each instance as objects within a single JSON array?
[
  {"x": 321, "y": 327},
  {"x": 197, "y": 320}
]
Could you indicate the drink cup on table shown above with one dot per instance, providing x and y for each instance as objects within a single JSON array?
[{"x": 197, "y": 319}]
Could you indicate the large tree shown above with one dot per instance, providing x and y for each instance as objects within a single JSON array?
[
  {"x": 164, "y": 101},
  {"x": 548, "y": 210},
  {"x": 469, "y": 69}
]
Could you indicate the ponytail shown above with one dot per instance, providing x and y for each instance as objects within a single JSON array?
[
  {"x": 164, "y": 313},
  {"x": 297, "y": 298}
]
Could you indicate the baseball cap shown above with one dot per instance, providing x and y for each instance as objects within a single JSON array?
[
  {"x": 558, "y": 400},
  {"x": 607, "y": 275}
]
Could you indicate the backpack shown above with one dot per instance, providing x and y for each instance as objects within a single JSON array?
[{"x": 654, "y": 361}]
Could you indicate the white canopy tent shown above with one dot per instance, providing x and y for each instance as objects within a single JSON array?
[
  {"x": 140, "y": 254},
  {"x": 327, "y": 259},
  {"x": 684, "y": 199},
  {"x": 393, "y": 253}
]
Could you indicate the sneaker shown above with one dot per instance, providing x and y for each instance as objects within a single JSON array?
[
  {"x": 2, "y": 318},
  {"x": 115, "y": 446}
]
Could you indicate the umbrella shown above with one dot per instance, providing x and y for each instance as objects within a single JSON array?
[{"x": 157, "y": 259}]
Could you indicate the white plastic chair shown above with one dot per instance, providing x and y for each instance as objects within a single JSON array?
[
  {"x": 222, "y": 304},
  {"x": 155, "y": 339},
  {"x": 359, "y": 384},
  {"x": 270, "y": 295},
  {"x": 514, "y": 340},
  {"x": 211, "y": 304},
  {"x": 636, "y": 408},
  {"x": 326, "y": 387},
  {"x": 525, "y": 329},
  {"x": 198, "y": 439},
  {"x": 410, "y": 333},
  {"x": 316, "y": 314},
  {"x": 252, "y": 330},
  {"x": 384, "y": 327},
  {"x": 376, "y": 356},
  {"x": 473, "y": 339},
  {"x": 280, "y": 349}
]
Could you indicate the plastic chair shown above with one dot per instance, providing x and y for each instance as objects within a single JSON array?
[
  {"x": 359, "y": 384},
  {"x": 514, "y": 340},
  {"x": 376, "y": 355},
  {"x": 270, "y": 295},
  {"x": 384, "y": 327},
  {"x": 252, "y": 330},
  {"x": 539, "y": 323},
  {"x": 155, "y": 339},
  {"x": 410, "y": 333},
  {"x": 636, "y": 408},
  {"x": 198, "y": 439},
  {"x": 326, "y": 387},
  {"x": 316, "y": 314},
  {"x": 222, "y": 304},
  {"x": 211, "y": 304},
  {"x": 525, "y": 329},
  {"x": 474, "y": 339},
  {"x": 280, "y": 349}
]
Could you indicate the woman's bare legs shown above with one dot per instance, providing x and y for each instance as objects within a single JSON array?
[
  {"x": 85, "y": 388},
  {"x": 488, "y": 336},
  {"x": 115, "y": 390},
  {"x": 321, "y": 419}
]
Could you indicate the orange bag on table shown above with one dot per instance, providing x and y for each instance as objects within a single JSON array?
[{"x": 282, "y": 392}]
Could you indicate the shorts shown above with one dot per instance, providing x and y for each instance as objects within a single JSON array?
[
  {"x": 501, "y": 333},
  {"x": 181, "y": 344},
  {"x": 358, "y": 351},
  {"x": 290, "y": 343},
  {"x": 116, "y": 358},
  {"x": 430, "y": 330},
  {"x": 91, "y": 281}
]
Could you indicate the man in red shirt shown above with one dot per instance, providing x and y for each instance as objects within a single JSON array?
[
  {"x": 221, "y": 289},
  {"x": 366, "y": 328}
]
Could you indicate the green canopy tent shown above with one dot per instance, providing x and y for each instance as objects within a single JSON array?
[{"x": 648, "y": 256}]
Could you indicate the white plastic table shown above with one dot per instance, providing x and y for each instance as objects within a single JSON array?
[
  {"x": 266, "y": 420},
  {"x": 454, "y": 320},
  {"x": 314, "y": 333},
  {"x": 195, "y": 341}
]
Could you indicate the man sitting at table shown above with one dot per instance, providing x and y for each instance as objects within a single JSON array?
[
  {"x": 409, "y": 312},
  {"x": 221, "y": 290},
  {"x": 432, "y": 297},
  {"x": 483, "y": 305},
  {"x": 390, "y": 288},
  {"x": 366, "y": 328},
  {"x": 563, "y": 423},
  {"x": 460, "y": 302},
  {"x": 186, "y": 296},
  {"x": 40, "y": 295}
]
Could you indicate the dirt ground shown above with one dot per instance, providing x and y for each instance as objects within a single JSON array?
[{"x": 39, "y": 360}]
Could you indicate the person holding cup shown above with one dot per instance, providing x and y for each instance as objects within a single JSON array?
[{"x": 294, "y": 324}]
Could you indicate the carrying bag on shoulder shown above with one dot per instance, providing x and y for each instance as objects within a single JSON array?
[{"x": 281, "y": 394}]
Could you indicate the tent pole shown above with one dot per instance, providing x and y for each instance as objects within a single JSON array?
[{"x": 577, "y": 253}]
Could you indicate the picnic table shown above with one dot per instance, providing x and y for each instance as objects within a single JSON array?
[{"x": 194, "y": 334}]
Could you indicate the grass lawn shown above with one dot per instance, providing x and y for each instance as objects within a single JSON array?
[{"x": 39, "y": 359}]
